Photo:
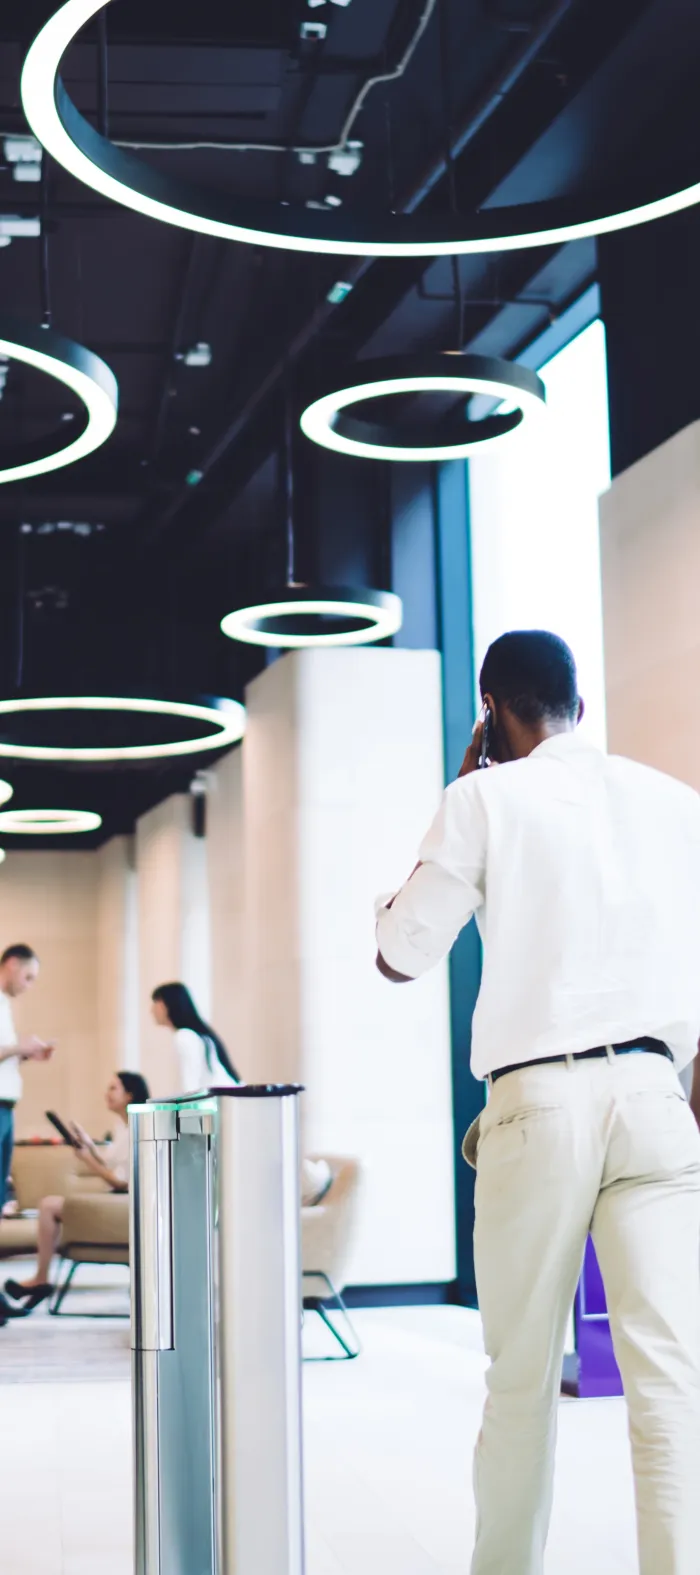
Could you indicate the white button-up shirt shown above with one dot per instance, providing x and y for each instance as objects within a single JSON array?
[
  {"x": 583, "y": 872},
  {"x": 10, "y": 1075}
]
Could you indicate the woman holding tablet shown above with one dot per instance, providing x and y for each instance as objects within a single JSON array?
[{"x": 109, "y": 1162}]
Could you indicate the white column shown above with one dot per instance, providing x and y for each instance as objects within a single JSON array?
[
  {"x": 173, "y": 926},
  {"x": 343, "y": 771},
  {"x": 225, "y": 848},
  {"x": 117, "y": 957}
]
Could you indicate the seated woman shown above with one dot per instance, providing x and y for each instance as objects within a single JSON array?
[
  {"x": 204, "y": 1059},
  {"x": 110, "y": 1162}
]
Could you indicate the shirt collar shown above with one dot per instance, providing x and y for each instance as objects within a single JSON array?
[{"x": 561, "y": 745}]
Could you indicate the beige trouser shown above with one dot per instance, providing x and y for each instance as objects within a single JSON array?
[{"x": 609, "y": 1147}]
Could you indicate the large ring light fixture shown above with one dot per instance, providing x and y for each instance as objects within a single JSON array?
[
  {"x": 226, "y": 718},
  {"x": 326, "y": 422},
  {"x": 78, "y": 369},
  {"x": 48, "y": 822},
  {"x": 3, "y": 855},
  {"x": 311, "y": 615},
  {"x": 5, "y": 792},
  {"x": 117, "y": 174}
]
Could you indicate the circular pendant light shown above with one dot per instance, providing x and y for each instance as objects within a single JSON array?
[
  {"x": 5, "y": 792},
  {"x": 119, "y": 175},
  {"x": 48, "y": 822},
  {"x": 224, "y": 718},
  {"x": 306, "y": 616},
  {"x": 80, "y": 371},
  {"x": 326, "y": 420}
]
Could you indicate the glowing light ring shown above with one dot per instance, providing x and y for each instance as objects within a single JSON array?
[
  {"x": 119, "y": 175},
  {"x": 228, "y": 718},
  {"x": 78, "y": 369},
  {"x": 324, "y": 421},
  {"x": 3, "y": 855},
  {"x": 5, "y": 792},
  {"x": 380, "y": 610},
  {"x": 48, "y": 822}
]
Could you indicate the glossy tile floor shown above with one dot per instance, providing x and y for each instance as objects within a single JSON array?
[{"x": 388, "y": 1445}]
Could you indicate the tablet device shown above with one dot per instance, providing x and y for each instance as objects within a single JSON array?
[{"x": 61, "y": 1127}]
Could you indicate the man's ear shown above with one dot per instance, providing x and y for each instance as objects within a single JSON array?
[{"x": 581, "y": 711}]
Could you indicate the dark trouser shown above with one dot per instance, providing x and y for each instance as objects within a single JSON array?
[{"x": 7, "y": 1137}]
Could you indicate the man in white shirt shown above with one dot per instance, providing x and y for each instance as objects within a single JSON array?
[
  {"x": 583, "y": 872},
  {"x": 19, "y": 968}
]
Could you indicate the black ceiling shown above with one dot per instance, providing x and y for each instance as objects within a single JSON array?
[{"x": 182, "y": 504}]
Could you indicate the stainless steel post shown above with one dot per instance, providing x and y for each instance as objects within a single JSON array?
[
  {"x": 260, "y": 1520},
  {"x": 216, "y": 1334},
  {"x": 150, "y": 1209}
]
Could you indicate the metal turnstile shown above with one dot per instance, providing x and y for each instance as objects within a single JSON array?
[{"x": 216, "y": 1334}]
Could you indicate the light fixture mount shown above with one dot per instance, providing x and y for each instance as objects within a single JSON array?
[
  {"x": 300, "y": 615},
  {"x": 328, "y": 421},
  {"x": 224, "y": 719},
  {"x": 119, "y": 175},
  {"x": 79, "y": 370}
]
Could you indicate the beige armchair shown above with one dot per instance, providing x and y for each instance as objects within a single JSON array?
[
  {"x": 95, "y": 1230},
  {"x": 327, "y": 1230},
  {"x": 38, "y": 1171}
]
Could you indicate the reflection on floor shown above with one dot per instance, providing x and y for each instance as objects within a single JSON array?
[{"x": 388, "y": 1454}]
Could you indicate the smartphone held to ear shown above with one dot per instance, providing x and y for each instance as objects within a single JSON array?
[{"x": 485, "y": 738}]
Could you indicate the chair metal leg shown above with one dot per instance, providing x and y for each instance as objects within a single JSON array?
[
  {"x": 62, "y": 1290},
  {"x": 325, "y": 1306}
]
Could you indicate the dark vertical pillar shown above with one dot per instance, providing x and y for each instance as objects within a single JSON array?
[
  {"x": 454, "y": 601},
  {"x": 648, "y": 282}
]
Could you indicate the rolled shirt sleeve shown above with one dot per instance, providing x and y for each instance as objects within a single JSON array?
[{"x": 444, "y": 892}]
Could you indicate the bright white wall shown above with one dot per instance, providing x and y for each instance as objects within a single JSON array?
[
  {"x": 343, "y": 771},
  {"x": 534, "y": 520}
]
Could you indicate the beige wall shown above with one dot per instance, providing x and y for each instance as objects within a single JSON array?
[
  {"x": 76, "y": 910},
  {"x": 49, "y": 900},
  {"x": 650, "y": 559}
]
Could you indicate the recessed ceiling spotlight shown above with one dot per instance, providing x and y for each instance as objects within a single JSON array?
[
  {"x": 196, "y": 355},
  {"x": 119, "y": 175}
]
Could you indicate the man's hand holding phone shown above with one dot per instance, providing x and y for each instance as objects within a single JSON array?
[{"x": 32, "y": 1049}]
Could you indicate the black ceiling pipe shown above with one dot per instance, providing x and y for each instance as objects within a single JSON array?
[{"x": 524, "y": 52}]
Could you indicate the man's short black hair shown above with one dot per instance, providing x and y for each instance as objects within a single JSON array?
[
  {"x": 534, "y": 674},
  {"x": 20, "y": 951}
]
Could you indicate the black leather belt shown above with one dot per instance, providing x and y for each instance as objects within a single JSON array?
[
  {"x": 630, "y": 1047},
  {"x": 7, "y": 1104}
]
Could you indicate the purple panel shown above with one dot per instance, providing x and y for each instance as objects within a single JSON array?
[{"x": 598, "y": 1370}]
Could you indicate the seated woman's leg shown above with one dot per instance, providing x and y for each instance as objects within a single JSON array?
[{"x": 50, "y": 1217}]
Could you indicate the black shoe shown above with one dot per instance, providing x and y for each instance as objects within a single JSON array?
[
  {"x": 40, "y": 1293},
  {"x": 17, "y": 1292}
]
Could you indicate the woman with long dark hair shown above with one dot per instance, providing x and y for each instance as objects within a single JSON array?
[
  {"x": 204, "y": 1059},
  {"x": 109, "y": 1162}
]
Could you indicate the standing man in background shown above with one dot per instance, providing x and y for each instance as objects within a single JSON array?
[
  {"x": 19, "y": 968},
  {"x": 583, "y": 870}
]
